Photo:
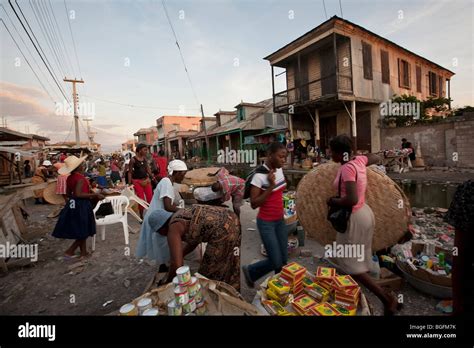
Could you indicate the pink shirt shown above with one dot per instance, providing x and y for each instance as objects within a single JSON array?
[{"x": 348, "y": 172}]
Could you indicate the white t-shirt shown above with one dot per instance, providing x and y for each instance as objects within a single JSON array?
[
  {"x": 261, "y": 180},
  {"x": 163, "y": 189}
]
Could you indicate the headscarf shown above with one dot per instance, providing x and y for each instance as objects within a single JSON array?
[{"x": 176, "y": 165}]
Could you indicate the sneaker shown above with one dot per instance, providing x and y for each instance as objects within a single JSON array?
[{"x": 248, "y": 280}]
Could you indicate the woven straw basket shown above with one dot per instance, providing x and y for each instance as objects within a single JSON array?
[
  {"x": 50, "y": 196},
  {"x": 388, "y": 202},
  {"x": 200, "y": 177}
]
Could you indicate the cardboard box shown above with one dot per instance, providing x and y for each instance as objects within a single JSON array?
[
  {"x": 325, "y": 273},
  {"x": 344, "y": 282},
  {"x": 325, "y": 309}
]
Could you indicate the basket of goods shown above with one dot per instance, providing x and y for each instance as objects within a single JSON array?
[
  {"x": 190, "y": 295},
  {"x": 426, "y": 266},
  {"x": 386, "y": 199},
  {"x": 201, "y": 177},
  {"x": 296, "y": 291}
]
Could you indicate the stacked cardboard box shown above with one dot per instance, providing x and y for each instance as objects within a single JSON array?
[
  {"x": 294, "y": 273},
  {"x": 303, "y": 303},
  {"x": 346, "y": 290}
]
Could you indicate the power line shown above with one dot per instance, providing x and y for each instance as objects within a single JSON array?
[
  {"x": 1, "y": 19},
  {"x": 31, "y": 54},
  {"x": 36, "y": 48},
  {"x": 325, "y": 12},
  {"x": 69, "y": 133},
  {"x": 40, "y": 18},
  {"x": 133, "y": 105},
  {"x": 61, "y": 37},
  {"x": 180, "y": 53},
  {"x": 72, "y": 36},
  {"x": 340, "y": 6}
]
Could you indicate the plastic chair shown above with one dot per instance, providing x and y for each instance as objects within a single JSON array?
[{"x": 120, "y": 205}]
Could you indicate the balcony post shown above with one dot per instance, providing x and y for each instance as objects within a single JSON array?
[
  {"x": 336, "y": 62},
  {"x": 317, "y": 138},
  {"x": 354, "y": 125}
]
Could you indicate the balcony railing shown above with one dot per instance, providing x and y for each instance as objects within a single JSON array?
[{"x": 313, "y": 91}]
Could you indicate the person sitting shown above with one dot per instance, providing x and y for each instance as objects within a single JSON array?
[
  {"x": 216, "y": 226},
  {"x": 407, "y": 145}
]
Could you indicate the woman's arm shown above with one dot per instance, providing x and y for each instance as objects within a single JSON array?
[
  {"x": 169, "y": 206},
  {"x": 259, "y": 196},
  {"x": 176, "y": 248},
  {"x": 130, "y": 170},
  {"x": 349, "y": 200}
]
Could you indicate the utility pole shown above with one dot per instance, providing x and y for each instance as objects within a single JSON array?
[
  {"x": 90, "y": 134},
  {"x": 205, "y": 135},
  {"x": 76, "y": 115}
]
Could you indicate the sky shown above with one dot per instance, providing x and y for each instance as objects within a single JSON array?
[{"x": 133, "y": 72}]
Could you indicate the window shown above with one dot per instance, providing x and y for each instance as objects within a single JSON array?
[
  {"x": 418, "y": 79},
  {"x": 240, "y": 114},
  {"x": 433, "y": 81},
  {"x": 268, "y": 119},
  {"x": 367, "y": 60},
  {"x": 385, "y": 66},
  {"x": 403, "y": 73}
]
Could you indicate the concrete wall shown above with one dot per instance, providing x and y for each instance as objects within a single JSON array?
[{"x": 439, "y": 142}]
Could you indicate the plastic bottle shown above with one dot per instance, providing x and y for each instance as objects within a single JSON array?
[{"x": 375, "y": 267}]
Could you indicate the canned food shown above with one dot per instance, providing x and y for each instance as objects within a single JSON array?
[
  {"x": 144, "y": 304},
  {"x": 128, "y": 309},
  {"x": 175, "y": 281},
  {"x": 174, "y": 309},
  {"x": 181, "y": 295},
  {"x": 201, "y": 308},
  {"x": 190, "y": 306},
  {"x": 193, "y": 287},
  {"x": 151, "y": 312},
  {"x": 198, "y": 297},
  {"x": 184, "y": 275}
]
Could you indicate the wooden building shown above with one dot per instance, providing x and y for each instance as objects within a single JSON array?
[{"x": 339, "y": 73}]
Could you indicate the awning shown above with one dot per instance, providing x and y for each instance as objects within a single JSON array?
[
  {"x": 271, "y": 131},
  {"x": 15, "y": 150}
]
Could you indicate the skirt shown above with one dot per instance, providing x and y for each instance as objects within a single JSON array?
[
  {"x": 76, "y": 220},
  {"x": 357, "y": 241},
  {"x": 102, "y": 181},
  {"x": 115, "y": 176}
]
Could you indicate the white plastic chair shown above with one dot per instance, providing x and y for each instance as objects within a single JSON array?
[
  {"x": 120, "y": 205},
  {"x": 132, "y": 197}
]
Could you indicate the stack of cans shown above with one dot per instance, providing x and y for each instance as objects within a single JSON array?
[{"x": 188, "y": 299}]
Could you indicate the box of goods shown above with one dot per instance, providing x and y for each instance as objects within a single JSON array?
[
  {"x": 325, "y": 309},
  {"x": 272, "y": 295},
  {"x": 293, "y": 272},
  {"x": 279, "y": 286},
  {"x": 325, "y": 273},
  {"x": 345, "y": 310},
  {"x": 275, "y": 308},
  {"x": 349, "y": 296},
  {"x": 303, "y": 303},
  {"x": 326, "y": 284},
  {"x": 344, "y": 282}
]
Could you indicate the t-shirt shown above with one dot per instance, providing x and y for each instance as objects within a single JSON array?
[
  {"x": 272, "y": 208},
  {"x": 348, "y": 171},
  {"x": 163, "y": 189}
]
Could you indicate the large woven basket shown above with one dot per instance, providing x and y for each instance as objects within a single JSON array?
[
  {"x": 386, "y": 199},
  {"x": 200, "y": 177}
]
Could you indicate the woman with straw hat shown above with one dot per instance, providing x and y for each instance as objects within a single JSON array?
[
  {"x": 41, "y": 175},
  {"x": 76, "y": 220}
]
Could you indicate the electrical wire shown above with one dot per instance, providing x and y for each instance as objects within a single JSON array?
[{"x": 72, "y": 36}]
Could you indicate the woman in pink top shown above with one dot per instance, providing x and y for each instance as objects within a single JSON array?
[{"x": 361, "y": 224}]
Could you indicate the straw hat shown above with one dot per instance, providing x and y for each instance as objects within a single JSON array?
[
  {"x": 71, "y": 163},
  {"x": 389, "y": 204},
  {"x": 50, "y": 196},
  {"x": 201, "y": 176}
]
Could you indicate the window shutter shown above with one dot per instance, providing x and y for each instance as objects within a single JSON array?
[
  {"x": 385, "y": 66},
  {"x": 399, "y": 63},
  {"x": 367, "y": 60},
  {"x": 440, "y": 94},
  {"x": 418, "y": 79}
]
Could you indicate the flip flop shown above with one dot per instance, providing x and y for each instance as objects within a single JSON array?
[{"x": 70, "y": 257}]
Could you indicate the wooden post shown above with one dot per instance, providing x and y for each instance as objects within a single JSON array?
[
  {"x": 449, "y": 94},
  {"x": 273, "y": 88},
  {"x": 205, "y": 134},
  {"x": 354, "y": 125},
  {"x": 317, "y": 138},
  {"x": 76, "y": 114},
  {"x": 336, "y": 62}
]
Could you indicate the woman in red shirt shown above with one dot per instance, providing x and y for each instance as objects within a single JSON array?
[
  {"x": 76, "y": 220},
  {"x": 266, "y": 193}
]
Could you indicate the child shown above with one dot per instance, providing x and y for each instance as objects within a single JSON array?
[{"x": 76, "y": 220}]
